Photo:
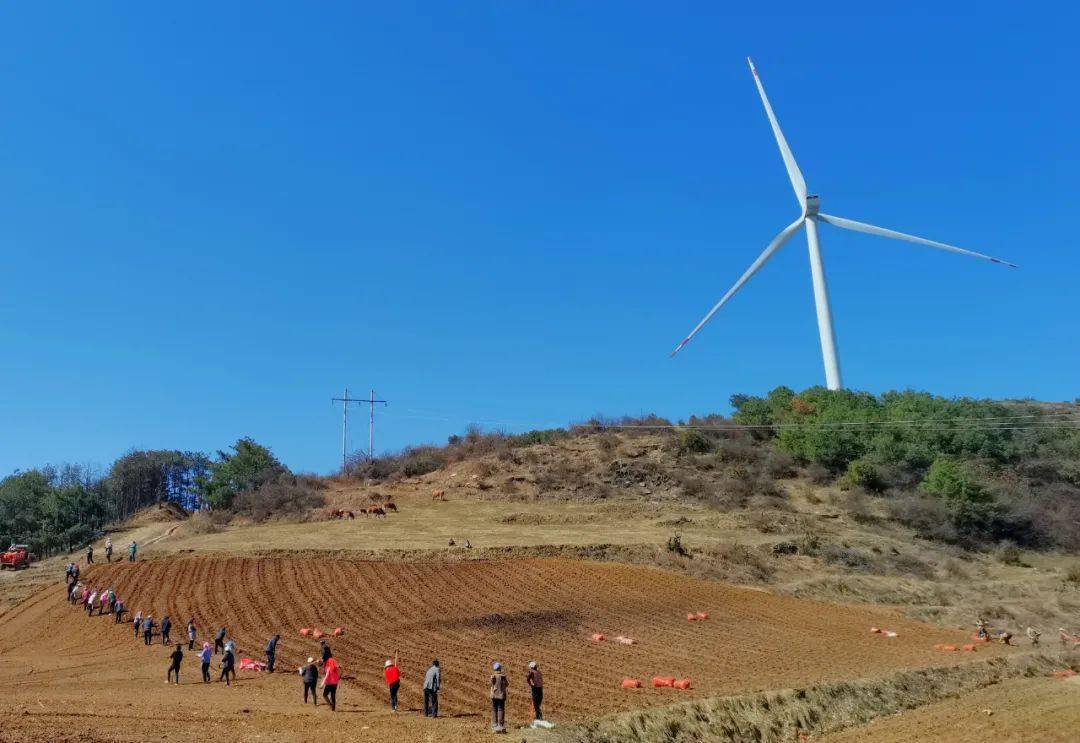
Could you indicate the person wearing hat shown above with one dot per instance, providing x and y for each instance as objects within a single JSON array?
[
  {"x": 432, "y": 684},
  {"x": 499, "y": 686},
  {"x": 393, "y": 679},
  {"x": 310, "y": 676},
  {"x": 535, "y": 680}
]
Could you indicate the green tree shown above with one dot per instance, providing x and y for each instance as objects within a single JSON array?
[{"x": 249, "y": 466}]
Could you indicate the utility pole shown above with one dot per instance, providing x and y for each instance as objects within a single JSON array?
[{"x": 372, "y": 402}]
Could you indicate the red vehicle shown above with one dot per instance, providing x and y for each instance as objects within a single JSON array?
[{"x": 17, "y": 556}]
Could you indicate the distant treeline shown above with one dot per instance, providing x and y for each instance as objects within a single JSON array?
[{"x": 58, "y": 509}]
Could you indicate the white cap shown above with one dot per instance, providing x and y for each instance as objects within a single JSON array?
[
  {"x": 532, "y": 664},
  {"x": 389, "y": 663},
  {"x": 310, "y": 660}
]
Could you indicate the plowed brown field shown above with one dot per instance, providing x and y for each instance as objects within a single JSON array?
[{"x": 61, "y": 671}]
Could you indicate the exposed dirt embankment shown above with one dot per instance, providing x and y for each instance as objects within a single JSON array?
[{"x": 783, "y": 716}]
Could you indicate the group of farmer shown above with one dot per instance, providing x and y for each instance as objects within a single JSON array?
[
  {"x": 131, "y": 550},
  {"x": 106, "y": 602}
]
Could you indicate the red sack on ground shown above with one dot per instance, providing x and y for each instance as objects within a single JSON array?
[
  {"x": 659, "y": 682},
  {"x": 702, "y": 616},
  {"x": 597, "y": 637},
  {"x": 682, "y": 684},
  {"x": 318, "y": 634},
  {"x": 306, "y": 631},
  {"x": 875, "y": 631},
  {"x": 338, "y": 631},
  {"x": 631, "y": 684},
  {"x": 691, "y": 617},
  {"x": 970, "y": 647},
  {"x": 949, "y": 648}
]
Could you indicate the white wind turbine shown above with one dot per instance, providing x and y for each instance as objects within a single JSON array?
[{"x": 809, "y": 218}]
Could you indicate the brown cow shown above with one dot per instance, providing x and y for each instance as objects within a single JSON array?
[
  {"x": 390, "y": 506},
  {"x": 438, "y": 495},
  {"x": 376, "y": 511}
]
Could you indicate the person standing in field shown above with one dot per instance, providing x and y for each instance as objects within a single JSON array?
[
  {"x": 309, "y": 674},
  {"x": 137, "y": 621},
  {"x": 331, "y": 678},
  {"x": 148, "y": 629},
  {"x": 1033, "y": 635},
  {"x": 205, "y": 656},
  {"x": 90, "y": 603},
  {"x": 432, "y": 684},
  {"x": 228, "y": 662},
  {"x": 166, "y": 628},
  {"x": 108, "y": 549},
  {"x": 132, "y": 549},
  {"x": 191, "y": 634},
  {"x": 326, "y": 654},
  {"x": 271, "y": 651},
  {"x": 393, "y": 680},
  {"x": 499, "y": 686},
  {"x": 89, "y": 554},
  {"x": 535, "y": 681},
  {"x": 118, "y": 609},
  {"x": 219, "y": 641},
  {"x": 176, "y": 656}
]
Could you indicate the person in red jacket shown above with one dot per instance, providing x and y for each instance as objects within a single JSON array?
[
  {"x": 393, "y": 679},
  {"x": 331, "y": 677}
]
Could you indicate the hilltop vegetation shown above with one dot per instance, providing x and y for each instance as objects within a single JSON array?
[{"x": 973, "y": 473}]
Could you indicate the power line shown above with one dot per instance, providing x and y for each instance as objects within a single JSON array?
[{"x": 345, "y": 400}]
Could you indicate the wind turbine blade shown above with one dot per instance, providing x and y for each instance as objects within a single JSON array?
[
  {"x": 775, "y": 245},
  {"x": 793, "y": 172},
  {"x": 869, "y": 229}
]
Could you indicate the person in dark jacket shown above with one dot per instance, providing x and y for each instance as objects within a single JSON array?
[
  {"x": 118, "y": 610},
  {"x": 535, "y": 681},
  {"x": 432, "y": 684},
  {"x": 166, "y": 628},
  {"x": 310, "y": 676},
  {"x": 191, "y": 634},
  {"x": 147, "y": 630},
  {"x": 219, "y": 641},
  {"x": 175, "y": 657},
  {"x": 89, "y": 554},
  {"x": 271, "y": 651},
  {"x": 326, "y": 654},
  {"x": 228, "y": 661}
]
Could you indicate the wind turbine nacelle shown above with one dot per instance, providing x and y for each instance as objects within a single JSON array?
[{"x": 813, "y": 205}]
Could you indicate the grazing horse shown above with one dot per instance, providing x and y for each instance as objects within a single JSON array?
[
  {"x": 390, "y": 506},
  {"x": 438, "y": 495},
  {"x": 375, "y": 511}
]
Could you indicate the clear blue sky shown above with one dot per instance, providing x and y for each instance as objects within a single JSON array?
[{"x": 215, "y": 216}]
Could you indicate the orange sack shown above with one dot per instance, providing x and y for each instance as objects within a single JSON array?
[
  {"x": 631, "y": 684},
  {"x": 702, "y": 616},
  {"x": 305, "y": 631},
  {"x": 691, "y": 617},
  {"x": 318, "y": 634},
  {"x": 970, "y": 647},
  {"x": 338, "y": 631},
  {"x": 949, "y": 648},
  {"x": 598, "y": 637},
  {"x": 660, "y": 682},
  {"x": 875, "y": 631},
  {"x": 682, "y": 684}
]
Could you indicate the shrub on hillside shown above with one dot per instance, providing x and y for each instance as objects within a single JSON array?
[
  {"x": 288, "y": 495},
  {"x": 863, "y": 474}
]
